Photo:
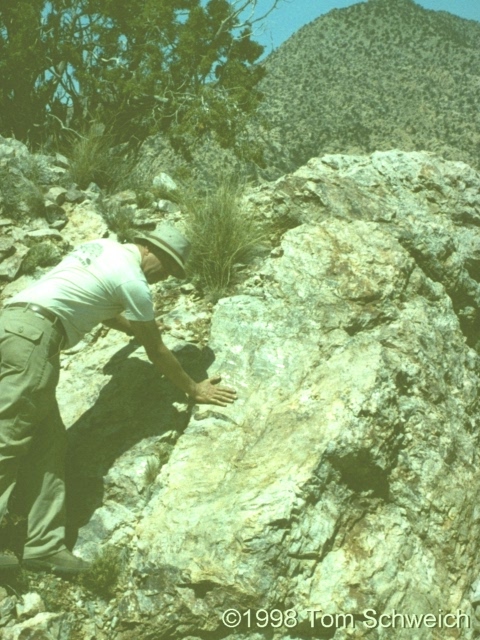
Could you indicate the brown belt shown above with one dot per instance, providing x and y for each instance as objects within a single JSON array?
[{"x": 46, "y": 313}]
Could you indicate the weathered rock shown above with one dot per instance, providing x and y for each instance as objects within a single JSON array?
[
  {"x": 10, "y": 267},
  {"x": 167, "y": 206},
  {"x": 29, "y": 606},
  {"x": 43, "y": 234},
  {"x": 57, "y": 195},
  {"x": 20, "y": 197},
  {"x": 164, "y": 182},
  {"x": 7, "y": 610},
  {"x": 93, "y": 192},
  {"x": 57, "y": 174},
  {"x": 10, "y": 148},
  {"x": 55, "y": 216},
  {"x": 430, "y": 205},
  {"x": 62, "y": 161},
  {"x": 74, "y": 196},
  {"x": 84, "y": 224},
  {"x": 346, "y": 476},
  {"x": 12, "y": 288},
  {"x": 354, "y": 417},
  {"x": 7, "y": 248},
  {"x": 44, "y": 626},
  {"x": 124, "y": 198},
  {"x": 58, "y": 225},
  {"x": 144, "y": 222}
]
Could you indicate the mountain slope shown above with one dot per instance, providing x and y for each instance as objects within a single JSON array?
[{"x": 377, "y": 75}]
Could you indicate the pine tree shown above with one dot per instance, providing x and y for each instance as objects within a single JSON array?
[{"x": 182, "y": 67}]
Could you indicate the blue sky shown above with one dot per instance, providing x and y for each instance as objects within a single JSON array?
[{"x": 293, "y": 14}]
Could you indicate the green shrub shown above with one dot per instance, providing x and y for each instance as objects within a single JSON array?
[
  {"x": 221, "y": 234},
  {"x": 35, "y": 168},
  {"x": 20, "y": 197},
  {"x": 120, "y": 219},
  {"x": 94, "y": 159},
  {"x": 44, "y": 254},
  {"x": 102, "y": 577}
]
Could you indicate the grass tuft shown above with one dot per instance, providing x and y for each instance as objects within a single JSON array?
[
  {"x": 152, "y": 470},
  {"x": 102, "y": 577},
  {"x": 93, "y": 158},
  {"x": 221, "y": 234}
]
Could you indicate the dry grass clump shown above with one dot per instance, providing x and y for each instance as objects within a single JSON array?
[
  {"x": 222, "y": 235},
  {"x": 102, "y": 577},
  {"x": 94, "y": 158}
]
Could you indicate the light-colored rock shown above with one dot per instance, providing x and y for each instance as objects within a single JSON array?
[
  {"x": 144, "y": 221},
  {"x": 84, "y": 224},
  {"x": 164, "y": 182},
  {"x": 7, "y": 248},
  {"x": 94, "y": 188},
  {"x": 62, "y": 161},
  {"x": 58, "y": 173},
  {"x": 167, "y": 206},
  {"x": 12, "y": 288},
  {"x": 44, "y": 626},
  {"x": 44, "y": 234},
  {"x": 7, "y": 610},
  {"x": 10, "y": 148},
  {"x": 58, "y": 225},
  {"x": 74, "y": 195},
  {"x": 29, "y": 606},
  {"x": 313, "y": 486},
  {"x": 10, "y": 267},
  {"x": 56, "y": 195},
  {"x": 124, "y": 197}
]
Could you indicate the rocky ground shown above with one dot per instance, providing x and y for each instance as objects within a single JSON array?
[{"x": 344, "y": 480}]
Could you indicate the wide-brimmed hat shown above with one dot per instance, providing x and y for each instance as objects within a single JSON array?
[{"x": 170, "y": 240}]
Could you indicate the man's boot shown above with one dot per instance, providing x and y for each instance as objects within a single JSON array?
[
  {"x": 61, "y": 563},
  {"x": 8, "y": 561}
]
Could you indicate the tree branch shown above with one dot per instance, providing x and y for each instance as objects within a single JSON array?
[{"x": 238, "y": 7}]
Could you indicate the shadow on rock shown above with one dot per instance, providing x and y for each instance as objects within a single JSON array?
[{"x": 136, "y": 404}]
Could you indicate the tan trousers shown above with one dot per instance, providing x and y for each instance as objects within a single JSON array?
[{"x": 32, "y": 435}]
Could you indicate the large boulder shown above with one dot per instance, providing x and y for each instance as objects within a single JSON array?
[{"x": 337, "y": 482}]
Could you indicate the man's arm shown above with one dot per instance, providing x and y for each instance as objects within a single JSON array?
[
  {"x": 207, "y": 391},
  {"x": 120, "y": 323}
]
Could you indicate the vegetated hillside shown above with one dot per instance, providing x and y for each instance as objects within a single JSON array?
[{"x": 374, "y": 76}]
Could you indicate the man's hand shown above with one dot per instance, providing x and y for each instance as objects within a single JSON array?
[
  {"x": 208, "y": 392},
  {"x": 205, "y": 392}
]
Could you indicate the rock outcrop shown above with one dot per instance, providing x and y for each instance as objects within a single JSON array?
[{"x": 346, "y": 478}]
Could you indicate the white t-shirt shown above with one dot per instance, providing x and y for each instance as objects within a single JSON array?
[{"x": 95, "y": 282}]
